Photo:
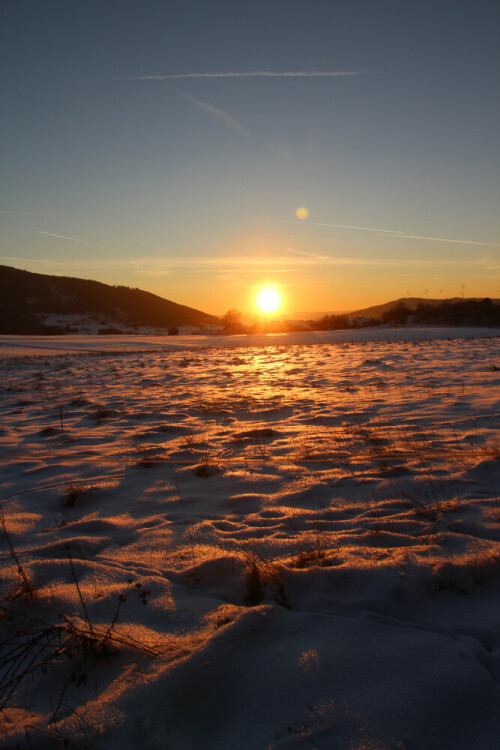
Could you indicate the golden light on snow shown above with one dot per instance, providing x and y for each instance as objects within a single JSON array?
[
  {"x": 302, "y": 213},
  {"x": 268, "y": 299},
  {"x": 279, "y": 469}
]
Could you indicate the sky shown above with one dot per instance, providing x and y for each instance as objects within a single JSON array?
[{"x": 168, "y": 146}]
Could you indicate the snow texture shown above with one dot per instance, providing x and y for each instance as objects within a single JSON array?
[{"x": 251, "y": 542}]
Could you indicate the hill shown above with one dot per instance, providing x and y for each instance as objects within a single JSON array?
[
  {"x": 376, "y": 311},
  {"x": 35, "y": 303}
]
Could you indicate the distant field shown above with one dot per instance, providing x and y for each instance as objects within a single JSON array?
[{"x": 30, "y": 345}]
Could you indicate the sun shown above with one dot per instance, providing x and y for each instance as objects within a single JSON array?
[{"x": 268, "y": 299}]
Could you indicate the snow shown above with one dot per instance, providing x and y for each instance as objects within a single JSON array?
[
  {"x": 11, "y": 345},
  {"x": 90, "y": 325},
  {"x": 276, "y": 542}
]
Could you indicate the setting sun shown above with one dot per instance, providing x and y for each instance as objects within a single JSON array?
[{"x": 268, "y": 300}]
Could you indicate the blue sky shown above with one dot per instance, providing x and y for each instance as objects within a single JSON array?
[{"x": 168, "y": 147}]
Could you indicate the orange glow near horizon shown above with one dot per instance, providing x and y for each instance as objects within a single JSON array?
[{"x": 268, "y": 300}]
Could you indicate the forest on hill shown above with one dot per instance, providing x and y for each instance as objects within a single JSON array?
[
  {"x": 27, "y": 299},
  {"x": 462, "y": 312}
]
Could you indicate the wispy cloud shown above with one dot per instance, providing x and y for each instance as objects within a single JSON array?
[
  {"x": 61, "y": 237},
  {"x": 400, "y": 234},
  {"x": 219, "y": 114},
  {"x": 248, "y": 74},
  {"x": 245, "y": 265},
  {"x": 26, "y": 260},
  {"x": 252, "y": 262},
  {"x": 41, "y": 213},
  {"x": 291, "y": 261},
  {"x": 305, "y": 254},
  {"x": 449, "y": 239},
  {"x": 350, "y": 226},
  {"x": 149, "y": 265}
]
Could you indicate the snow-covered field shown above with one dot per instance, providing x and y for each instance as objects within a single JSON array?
[
  {"x": 287, "y": 545},
  {"x": 15, "y": 346}
]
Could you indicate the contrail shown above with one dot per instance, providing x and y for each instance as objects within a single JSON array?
[
  {"x": 251, "y": 74},
  {"x": 37, "y": 213},
  {"x": 448, "y": 239},
  {"x": 400, "y": 234},
  {"x": 61, "y": 237},
  {"x": 350, "y": 226},
  {"x": 219, "y": 114}
]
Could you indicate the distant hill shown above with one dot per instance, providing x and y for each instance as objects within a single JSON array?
[
  {"x": 35, "y": 303},
  {"x": 412, "y": 303}
]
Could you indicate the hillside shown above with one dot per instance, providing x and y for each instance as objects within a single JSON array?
[
  {"x": 412, "y": 303},
  {"x": 35, "y": 303}
]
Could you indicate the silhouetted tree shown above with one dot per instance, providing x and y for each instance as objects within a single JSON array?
[
  {"x": 332, "y": 322},
  {"x": 397, "y": 314},
  {"x": 232, "y": 321}
]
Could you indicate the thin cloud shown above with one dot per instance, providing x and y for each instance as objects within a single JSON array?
[
  {"x": 219, "y": 114},
  {"x": 280, "y": 262},
  {"x": 246, "y": 264},
  {"x": 31, "y": 260},
  {"x": 40, "y": 213},
  {"x": 25, "y": 260},
  {"x": 448, "y": 239},
  {"x": 251, "y": 262},
  {"x": 249, "y": 74},
  {"x": 61, "y": 237},
  {"x": 400, "y": 234},
  {"x": 305, "y": 254},
  {"x": 350, "y": 226}
]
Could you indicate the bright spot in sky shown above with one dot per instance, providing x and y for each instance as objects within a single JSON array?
[
  {"x": 302, "y": 212},
  {"x": 268, "y": 300}
]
